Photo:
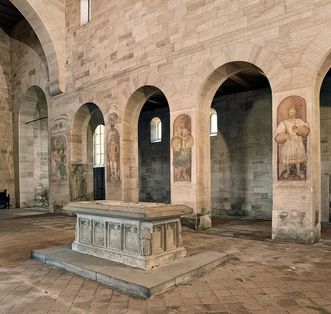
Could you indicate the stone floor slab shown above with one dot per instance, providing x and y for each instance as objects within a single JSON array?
[
  {"x": 129, "y": 279},
  {"x": 257, "y": 270}
]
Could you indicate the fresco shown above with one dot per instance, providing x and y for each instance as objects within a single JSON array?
[
  {"x": 291, "y": 136},
  {"x": 181, "y": 144}
]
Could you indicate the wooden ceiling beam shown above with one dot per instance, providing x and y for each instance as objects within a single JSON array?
[{"x": 239, "y": 80}]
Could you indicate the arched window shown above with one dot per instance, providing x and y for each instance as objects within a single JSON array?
[
  {"x": 213, "y": 122},
  {"x": 85, "y": 11},
  {"x": 156, "y": 130},
  {"x": 99, "y": 146}
]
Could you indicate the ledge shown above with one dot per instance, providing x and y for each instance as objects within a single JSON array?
[
  {"x": 143, "y": 283},
  {"x": 119, "y": 209}
]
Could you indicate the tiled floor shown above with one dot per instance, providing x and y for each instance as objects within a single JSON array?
[{"x": 262, "y": 277}]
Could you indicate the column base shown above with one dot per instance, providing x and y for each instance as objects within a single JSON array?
[{"x": 295, "y": 235}]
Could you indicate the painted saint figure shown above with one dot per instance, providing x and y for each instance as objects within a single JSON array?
[
  {"x": 81, "y": 184},
  {"x": 113, "y": 154},
  {"x": 62, "y": 164},
  {"x": 181, "y": 144},
  {"x": 58, "y": 158},
  {"x": 290, "y": 135}
]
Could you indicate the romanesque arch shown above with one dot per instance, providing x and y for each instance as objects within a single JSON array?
[
  {"x": 216, "y": 77},
  {"x": 129, "y": 141},
  {"x": 86, "y": 120},
  {"x": 50, "y": 29},
  {"x": 33, "y": 149}
]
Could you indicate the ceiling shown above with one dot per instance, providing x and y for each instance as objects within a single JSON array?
[
  {"x": 243, "y": 81},
  {"x": 9, "y": 16}
]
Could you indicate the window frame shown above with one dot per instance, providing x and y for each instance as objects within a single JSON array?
[
  {"x": 213, "y": 122},
  {"x": 85, "y": 11},
  {"x": 156, "y": 130},
  {"x": 99, "y": 140}
]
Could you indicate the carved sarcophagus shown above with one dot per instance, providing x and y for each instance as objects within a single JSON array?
[{"x": 143, "y": 235}]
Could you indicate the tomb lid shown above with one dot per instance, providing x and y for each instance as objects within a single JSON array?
[{"x": 120, "y": 209}]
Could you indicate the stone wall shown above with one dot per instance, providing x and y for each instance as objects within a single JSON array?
[
  {"x": 186, "y": 49},
  {"x": 29, "y": 102},
  {"x": 47, "y": 19},
  {"x": 6, "y": 142},
  {"x": 241, "y": 155},
  {"x": 325, "y": 150},
  {"x": 154, "y": 158},
  {"x": 126, "y": 36},
  {"x": 24, "y": 33}
]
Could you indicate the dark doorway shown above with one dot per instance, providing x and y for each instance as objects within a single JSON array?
[
  {"x": 154, "y": 150},
  {"x": 99, "y": 183}
]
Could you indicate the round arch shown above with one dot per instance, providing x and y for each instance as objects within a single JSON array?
[
  {"x": 316, "y": 59},
  {"x": 129, "y": 141},
  {"x": 33, "y": 149},
  {"x": 51, "y": 33},
  {"x": 221, "y": 59},
  {"x": 217, "y": 75},
  {"x": 86, "y": 120}
]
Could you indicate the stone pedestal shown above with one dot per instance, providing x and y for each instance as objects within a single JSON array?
[{"x": 143, "y": 235}]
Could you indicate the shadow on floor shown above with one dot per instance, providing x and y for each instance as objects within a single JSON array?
[
  {"x": 253, "y": 229},
  {"x": 23, "y": 212}
]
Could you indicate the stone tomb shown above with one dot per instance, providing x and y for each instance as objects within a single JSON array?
[{"x": 143, "y": 235}]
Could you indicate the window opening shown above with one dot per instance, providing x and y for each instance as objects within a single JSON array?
[
  {"x": 156, "y": 130},
  {"x": 213, "y": 122},
  {"x": 85, "y": 11},
  {"x": 99, "y": 146}
]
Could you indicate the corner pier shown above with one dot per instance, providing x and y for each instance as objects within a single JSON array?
[{"x": 143, "y": 235}]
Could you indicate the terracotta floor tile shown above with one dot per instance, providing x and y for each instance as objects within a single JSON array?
[{"x": 263, "y": 277}]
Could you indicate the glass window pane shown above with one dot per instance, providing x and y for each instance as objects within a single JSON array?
[
  {"x": 156, "y": 130},
  {"x": 84, "y": 11},
  {"x": 213, "y": 122},
  {"x": 98, "y": 150}
]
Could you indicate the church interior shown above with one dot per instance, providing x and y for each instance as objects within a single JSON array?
[{"x": 218, "y": 106}]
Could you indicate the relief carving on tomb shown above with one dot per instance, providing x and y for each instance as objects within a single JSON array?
[
  {"x": 158, "y": 244},
  {"x": 114, "y": 235},
  {"x": 85, "y": 231},
  {"x": 98, "y": 233},
  {"x": 181, "y": 144},
  {"x": 59, "y": 149},
  {"x": 146, "y": 244},
  {"x": 113, "y": 151},
  {"x": 78, "y": 182},
  {"x": 130, "y": 238},
  {"x": 291, "y": 136},
  {"x": 171, "y": 235}
]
